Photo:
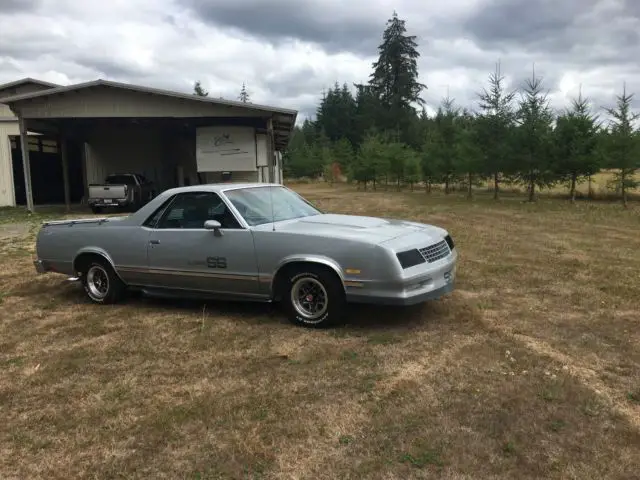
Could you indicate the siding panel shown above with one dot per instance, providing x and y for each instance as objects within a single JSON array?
[
  {"x": 7, "y": 194},
  {"x": 5, "y": 112}
]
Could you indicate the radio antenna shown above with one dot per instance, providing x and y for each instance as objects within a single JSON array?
[{"x": 273, "y": 215}]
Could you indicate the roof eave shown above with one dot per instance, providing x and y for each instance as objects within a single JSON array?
[
  {"x": 139, "y": 89},
  {"x": 27, "y": 80}
]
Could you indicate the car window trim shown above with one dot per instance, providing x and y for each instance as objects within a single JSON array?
[
  {"x": 220, "y": 197},
  {"x": 162, "y": 208}
]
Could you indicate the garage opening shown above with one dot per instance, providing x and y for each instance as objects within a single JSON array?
[{"x": 47, "y": 180}]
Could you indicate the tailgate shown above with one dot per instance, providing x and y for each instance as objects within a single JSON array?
[{"x": 108, "y": 191}]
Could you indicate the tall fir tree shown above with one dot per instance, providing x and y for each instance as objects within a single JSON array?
[
  {"x": 624, "y": 144},
  {"x": 367, "y": 111},
  {"x": 534, "y": 138},
  {"x": 575, "y": 144},
  {"x": 442, "y": 147},
  {"x": 336, "y": 114},
  {"x": 469, "y": 159},
  {"x": 495, "y": 127},
  {"x": 244, "y": 94},
  {"x": 394, "y": 79}
]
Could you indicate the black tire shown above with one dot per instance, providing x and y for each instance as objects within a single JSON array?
[
  {"x": 96, "y": 210},
  {"x": 321, "y": 282},
  {"x": 95, "y": 271}
]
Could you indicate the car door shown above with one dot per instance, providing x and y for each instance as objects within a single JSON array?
[{"x": 182, "y": 254}]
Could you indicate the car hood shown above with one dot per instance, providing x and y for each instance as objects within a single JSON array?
[{"x": 355, "y": 227}]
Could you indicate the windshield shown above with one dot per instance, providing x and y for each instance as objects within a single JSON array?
[{"x": 255, "y": 204}]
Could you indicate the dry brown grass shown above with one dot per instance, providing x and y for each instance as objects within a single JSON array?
[{"x": 531, "y": 369}]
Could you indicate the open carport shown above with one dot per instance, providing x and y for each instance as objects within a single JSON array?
[{"x": 171, "y": 138}]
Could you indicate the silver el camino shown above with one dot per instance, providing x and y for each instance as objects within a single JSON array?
[{"x": 259, "y": 242}]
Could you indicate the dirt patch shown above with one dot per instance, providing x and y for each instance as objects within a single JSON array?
[{"x": 13, "y": 230}]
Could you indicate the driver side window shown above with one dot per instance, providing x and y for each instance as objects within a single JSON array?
[{"x": 191, "y": 210}]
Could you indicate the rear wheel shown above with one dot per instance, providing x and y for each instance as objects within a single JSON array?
[
  {"x": 313, "y": 297},
  {"x": 100, "y": 282}
]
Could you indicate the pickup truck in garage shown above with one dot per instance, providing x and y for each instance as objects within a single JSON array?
[{"x": 127, "y": 191}]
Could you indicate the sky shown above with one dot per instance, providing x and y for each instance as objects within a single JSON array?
[{"x": 288, "y": 51}]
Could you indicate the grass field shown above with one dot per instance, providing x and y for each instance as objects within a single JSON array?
[{"x": 531, "y": 369}]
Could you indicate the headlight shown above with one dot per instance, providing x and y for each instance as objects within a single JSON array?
[
  {"x": 449, "y": 241},
  {"x": 410, "y": 258}
]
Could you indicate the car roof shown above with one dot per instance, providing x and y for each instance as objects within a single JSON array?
[{"x": 220, "y": 187}]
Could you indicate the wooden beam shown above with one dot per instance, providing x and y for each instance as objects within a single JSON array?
[
  {"x": 270, "y": 150},
  {"x": 65, "y": 172},
  {"x": 26, "y": 166}
]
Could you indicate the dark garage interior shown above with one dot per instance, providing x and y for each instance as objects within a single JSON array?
[{"x": 46, "y": 170}]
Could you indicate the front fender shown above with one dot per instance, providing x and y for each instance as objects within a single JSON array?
[{"x": 307, "y": 258}]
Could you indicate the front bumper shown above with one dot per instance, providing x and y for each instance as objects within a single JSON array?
[
  {"x": 101, "y": 202},
  {"x": 429, "y": 285}
]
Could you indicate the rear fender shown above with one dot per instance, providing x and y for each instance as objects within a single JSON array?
[{"x": 96, "y": 251}]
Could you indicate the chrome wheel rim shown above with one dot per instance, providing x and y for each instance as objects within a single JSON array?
[
  {"x": 309, "y": 299},
  {"x": 98, "y": 282}
]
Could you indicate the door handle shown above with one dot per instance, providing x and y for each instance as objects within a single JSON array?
[{"x": 154, "y": 242}]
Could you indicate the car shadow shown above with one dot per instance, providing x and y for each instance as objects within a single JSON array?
[{"x": 358, "y": 317}]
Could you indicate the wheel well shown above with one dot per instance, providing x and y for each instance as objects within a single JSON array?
[
  {"x": 281, "y": 275},
  {"x": 82, "y": 261}
]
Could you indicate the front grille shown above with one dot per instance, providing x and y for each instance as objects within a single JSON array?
[{"x": 435, "y": 252}]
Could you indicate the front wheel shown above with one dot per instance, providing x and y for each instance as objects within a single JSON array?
[
  {"x": 314, "y": 297},
  {"x": 101, "y": 284}
]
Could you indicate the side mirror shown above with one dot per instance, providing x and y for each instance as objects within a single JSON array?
[{"x": 213, "y": 225}]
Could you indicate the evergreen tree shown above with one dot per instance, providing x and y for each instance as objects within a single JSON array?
[
  {"x": 198, "y": 90},
  {"x": 495, "y": 127},
  {"x": 623, "y": 144},
  {"x": 244, "y": 94},
  {"x": 394, "y": 79},
  {"x": 468, "y": 155},
  {"x": 534, "y": 138},
  {"x": 371, "y": 162},
  {"x": 397, "y": 156},
  {"x": 343, "y": 154},
  {"x": 412, "y": 171},
  {"x": 367, "y": 110},
  {"x": 336, "y": 114},
  {"x": 293, "y": 155},
  {"x": 429, "y": 162},
  {"x": 576, "y": 137},
  {"x": 304, "y": 156},
  {"x": 442, "y": 147}
]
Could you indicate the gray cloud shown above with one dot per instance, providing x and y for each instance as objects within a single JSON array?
[
  {"x": 16, "y": 6},
  {"x": 297, "y": 82},
  {"x": 525, "y": 22},
  {"x": 108, "y": 67},
  {"x": 284, "y": 20},
  {"x": 578, "y": 31}
]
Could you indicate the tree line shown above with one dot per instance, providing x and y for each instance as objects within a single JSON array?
[{"x": 383, "y": 134}]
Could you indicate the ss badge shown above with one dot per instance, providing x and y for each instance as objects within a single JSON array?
[{"x": 216, "y": 262}]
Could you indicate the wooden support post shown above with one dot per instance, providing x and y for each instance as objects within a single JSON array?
[
  {"x": 270, "y": 151},
  {"x": 26, "y": 166},
  {"x": 65, "y": 172}
]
